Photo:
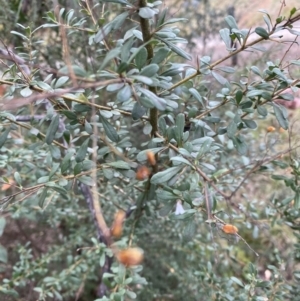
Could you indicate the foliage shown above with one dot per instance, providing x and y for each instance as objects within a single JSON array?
[{"x": 104, "y": 112}]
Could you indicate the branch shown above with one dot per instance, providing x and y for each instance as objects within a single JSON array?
[
  {"x": 145, "y": 27},
  {"x": 19, "y": 102}
]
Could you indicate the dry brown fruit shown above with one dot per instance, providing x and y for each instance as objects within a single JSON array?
[
  {"x": 229, "y": 229},
  {"x": 130, "y": 256},
  {"x": 117, "y": 226},
  {"x": 151, "y": 158},
  {"x": 142, "y": 173}
]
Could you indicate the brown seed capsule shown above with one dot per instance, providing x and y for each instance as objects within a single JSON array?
[
  {"x": 142, "y": 173},
  {"x": 130, "y": 256},
  {"x": 229, "y": 229},
  {"x": 117, "y": 226},
  {"x": 271, "y": 129},
  {"x": 151, "y": 158}
]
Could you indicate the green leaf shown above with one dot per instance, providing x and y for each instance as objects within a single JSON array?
[
  {"x": 3, "y": 254},
  {"x": 65, "y": 164},
  {"x": 117, "y": 1},
  {"x": 18, "y": 178},
  {"x": 262, "y": 111},
  {"x": 87, "y": 165},
  {"x": 197, "y": 95},
  {"x": 52, "y": 129},
  {"x": 131, "y": 294},
  {"x": 69, "y": 114},
  {"x": 125, "y": 52},
  {"x": 237, "y": 281},
  {"x": 219, "y": 78},
  {"x": 143, "y": 79},
  {"x": 61, "y": 81},
  {"x": 231, "y": 22},
  {"x": 80, "y": 156},
  {"x": 297, "y": 200},
  {"x": 293, "y": 11},
  {"x": 281, "y": 164},
  {"x": 182, "y": 160},
  {"x": 189, "y": 230},
  {"x": 42, "y": 197},
  {"x": 296, "y": 274},
  {"x": 150, "y": 70},
  {"x": 286, "y": 201},
  {"x": 146, "y": 12},
  {"x": 256, "y": 71},
  {"x": 109, "y": 129},
  {"x": 124, "y": 94},
  {"x": 164, "y": 211},
  {"x": 57, "y": 188},
  {"x": 119, "y": 165},
  {"x": 176, "y": 49},
  {"x": 295, "y": 62},
  {"x": 251, "y": 124},
  {"x": 44, "y": 86},
  {"x": 4, "y": 136},
  {"x": 231, "y": 129},
  {"x": 279, "y": 177},
  {"x": 2, "y": 224},
  {"x": 138, "y": 111},
  {"x": 43, "y": 179},
  {"x": 262, "y": 32},
  {"x": 142, "y": 156},
  {"x": 268, "y": 22},
  {"x": 294, "y": 32},
  {"x": 86, "y": 180},
  {"x": 138, "y": 34},
  {"x": 54, "y": 169},
  {"x": 264, "y": 284},
  {"x": 226, "y": 69},
  {"x": 78, "y": 71},
  {"x": 147, "y": 128},
  {"x": 114, "y": 24},
  {"x": 166, "y": 175},
  {"x": 110, "y": 56},
  {"x": 20, "y": 35},
  {"x": 205, "y": 147},
  {"x": 141, "y": 58},
  {"x": 238, "y": 96},
  {"x": 281, "y": 115},
  {"x": 77, "y": 168},
  {"x": 286, "y": 96},
  {"x": 158, "y": 102},
  {"x": 225, "y": 35},
  {"x": 55, "y": 151},
  {"x": 240, "y": 145},
  {"x": 108, "y": 173},
  {"x": 180, "y": 123},
  {"x": 160, "y": 55},
  {"x": 114, "y": 87},
  {"x": 26, "y": 92}
]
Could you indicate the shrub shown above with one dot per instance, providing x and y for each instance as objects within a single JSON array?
[{"x": 114, "y": 149}]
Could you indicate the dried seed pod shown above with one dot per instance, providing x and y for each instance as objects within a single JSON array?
[
  {"x": 117, "y": 226},
  {"x": 151, "y": 158},
  {"x": 229, "y": 229},
  {"x": 130, "y": 256},
  {"x": 142, "y": 173},
  {"x": 271, "y": 129}
]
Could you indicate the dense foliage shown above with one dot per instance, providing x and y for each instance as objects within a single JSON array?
[{"x": 114, "y": 144}]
